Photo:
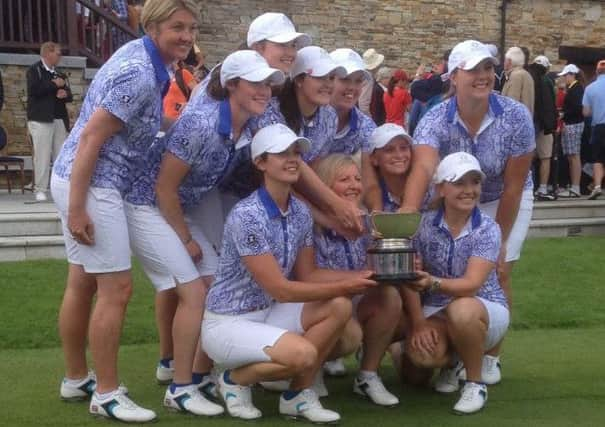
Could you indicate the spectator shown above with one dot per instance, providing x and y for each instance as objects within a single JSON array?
[
  {"x": 594, "y": 106},
  {"x": 383, "y": 75},
  {"x": 397, "y": 98},
  {"x": 181, "y": 85},
  {"x": 573, "y": 126},
  {"x": 519, "y": 84},
  {"x": 373, "y": 60},
  {"x": 545, "y": 120},
  {"x": 120, "y": 10},
  {"x": 47, "y": 120}
]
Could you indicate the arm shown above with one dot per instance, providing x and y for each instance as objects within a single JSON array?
[
  {"x": 425, "y": 161},
  {"x": 371, "y": 184},
  {"x": 172, "y": 172},
  {"x": 99, "y": 128},
  {"x": 266, "y": 272}
]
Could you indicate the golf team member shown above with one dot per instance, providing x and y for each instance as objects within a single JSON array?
[
  {"x": 464, "y": 310},
  {"x": 267, "y": 261},
  {"x": 120, "y": 116},
  {"x": 174, "y": 252},
  {"x": 499, "y": 132}
]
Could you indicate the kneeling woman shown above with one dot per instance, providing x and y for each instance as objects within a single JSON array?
[
  {"x": 464, "y": 309},
  {"x": 267, "y": 260}
]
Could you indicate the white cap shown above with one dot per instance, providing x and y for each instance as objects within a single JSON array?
[
  {"x": 372, "y": 59},
  {"x": 384, "y": 134},
  {"x": 251, "y": 66},
  {"x": 316, "y": 62},
  {"x": 467, "y": 55},
  {"x": 276, "y": 138},
  {"x": 569, "y": 69},
  {"x": 351, "y": 61},
  {"x": 454, "y": 166},
  {"x": 277, "y": 28},
  {"x": 542, "y": 60}
]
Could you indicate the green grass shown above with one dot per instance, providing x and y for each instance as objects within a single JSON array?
[{"x": 553, "y": 366}]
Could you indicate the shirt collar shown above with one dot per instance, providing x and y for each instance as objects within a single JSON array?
[
  {"x": 270, "y": 206},
  {"x": 224, "y": 118},
  {"x": 475, "y": 219},
  {"x": 387, "y": 197},
  {"x": 354, "y": 120},
  {"x": 601, "y": 77},
  {"x": 161, "y": 71},
  {"x": 46, "y": 67},
  {"x": 495, "y": 108}
]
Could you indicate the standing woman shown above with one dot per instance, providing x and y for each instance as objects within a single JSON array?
[
  {"x": 175, "y": 252},
  {"x": 120, "y": 116},
  {"x": 499, "y": 132},
  {"x": 397, "y": 99},
  {"x": 270, "y": 313},
  {"x": 573, "y": 120}
]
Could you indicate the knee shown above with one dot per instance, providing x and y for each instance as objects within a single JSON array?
[
  {"x": 350, "y": 339},
  {"x": 340, "y": 309},
  {"x": 303, "y": 356},
  {"x": 465, "y": 313},
  {"x": 119, "y": 294}
]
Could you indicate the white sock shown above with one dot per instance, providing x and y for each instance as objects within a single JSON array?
[
  {"x": 366, "y": 375},
  {"x": 542, "y": 188},
  {"x": 74, "y": 382},
  {"x": 575, "y": 188},
  {"x": 105, "y": 396}
]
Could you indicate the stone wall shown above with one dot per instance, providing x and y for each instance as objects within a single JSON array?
[
  {"x": 412, "y": 31},
  {"x": 12, "y": 116}
]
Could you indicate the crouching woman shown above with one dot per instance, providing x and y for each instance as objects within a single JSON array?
[
  {"x": 270, "y": 314},
  {"x": 464, "y": 312}
]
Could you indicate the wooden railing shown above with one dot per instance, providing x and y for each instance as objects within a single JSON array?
[{"x": 95, "y": 32}]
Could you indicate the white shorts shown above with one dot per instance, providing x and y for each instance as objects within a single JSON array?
[
  {"x": 239, "y": 340},
  {"x": 105, "y": 207},
  {"x": 163, "y": 256},
  {"x": 521, "y": 226},
  {"x": 208, "y": 215},
  {"x": 498, "y": 318}
]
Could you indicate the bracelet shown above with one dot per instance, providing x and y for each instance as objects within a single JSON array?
[{"x": 435, "y": 286}]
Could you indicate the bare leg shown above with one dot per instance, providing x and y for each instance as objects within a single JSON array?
[
  {"x": 165, "y": 308},
  {"x": 597, "y": 174},
  {"x": 575, "y": 169},
  {"x": 467, "y": 322},
  {"x": 73, "y": 320},
  {"x": 113, "y": 294},
  {"x": 349, "y": 341},
  {"x": 201, "y": 362},
  {"x": 544, "y": 171},
  {"x": 505, "y": 282}
]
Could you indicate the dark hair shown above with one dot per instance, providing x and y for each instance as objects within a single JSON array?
[
  {"x": 214, "y": 88},
  {"x": 446, "y": 57},
  {"x": 288, "y": 105}
]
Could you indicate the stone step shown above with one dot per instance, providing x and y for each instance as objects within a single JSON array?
[
  {"x": 569, "y": 209},
  {"x": 30, "y": 224},
  {"x": 21, "y": 248},
  {"x": 567, "y": 227}
]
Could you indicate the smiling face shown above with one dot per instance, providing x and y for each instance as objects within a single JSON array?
[
  {"x": 347, "y": 183},
  {"x": 252, "y": 97},
  {"x": 462, "y": 195},
  {"x": 282, "y": 167},
  {"x": 174, "y": 37},
  {"x": 347, "y": 91},
  {"x": 278, "y": 55},
  {"x": 315, "y": 91},
  {"x": 475, "y": 84},
  {"x": 394, "y": 158}
]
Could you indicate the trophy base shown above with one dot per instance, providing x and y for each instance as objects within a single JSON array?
[{"x": 394, "y": 279}]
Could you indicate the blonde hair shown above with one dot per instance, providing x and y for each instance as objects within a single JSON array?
[
  {"x": 328, "y": 167},
  {"x": 157, "y": 11},
  {"x": 49, "y": 47}
]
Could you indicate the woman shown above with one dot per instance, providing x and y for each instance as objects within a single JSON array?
[
  {"x": 118, "y": 121},
  {"x": 397, "y": 99},
  {"x": 376, "y": 313},
  {"x": 499, "y": 132},
  {"x": 303, "y": 105},
  {"x": 266, "y": 262},
  {"x": 181, "y": 85},
  {"x": 464, "y": 310},
  {"x": 573, "y": 121},
  {"x": 173, "y": 249}
]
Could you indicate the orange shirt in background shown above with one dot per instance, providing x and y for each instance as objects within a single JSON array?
[
  {"x": 397, "y": 105},
  {"x": 175, "y": 99}
]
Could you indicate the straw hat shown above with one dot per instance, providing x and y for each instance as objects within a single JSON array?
[{"x": 372, "y": 59}]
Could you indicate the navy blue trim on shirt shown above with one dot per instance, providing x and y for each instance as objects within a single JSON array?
[
  {"x": 224, "y": 118},
  {"x": 270, "y": 205},
  {"x": 161, "y": 74},
  {"x": 494, "y": 105},
  {"x": 475, "y": 217}
]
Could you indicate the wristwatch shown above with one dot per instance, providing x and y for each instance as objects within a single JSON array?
[{"x": 435, "y": 286}]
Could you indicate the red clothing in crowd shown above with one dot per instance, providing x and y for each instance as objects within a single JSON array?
[{"x": 397, "y": 105}]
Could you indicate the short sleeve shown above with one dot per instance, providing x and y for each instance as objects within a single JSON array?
[
  {"x": 129, "y": 93},
  {"x": 487, "y": 241},
  {"x": 248, "y": 233},
  {"x": 524, "y": 136},
  {"x": 366, "y": 127},
  {"x": 185, "y": 138},
  {"x": 432, "y": 127}
]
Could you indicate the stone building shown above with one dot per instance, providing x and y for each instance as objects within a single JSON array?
[{"x": 406, "y": 31}]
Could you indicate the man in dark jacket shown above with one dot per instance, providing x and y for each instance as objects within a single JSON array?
[
  {"x": 545, "y": 121},
  {"x": 47, "y": 120}
]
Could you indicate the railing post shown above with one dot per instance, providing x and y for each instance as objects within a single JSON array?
[{"x": 72, "y": 27}]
